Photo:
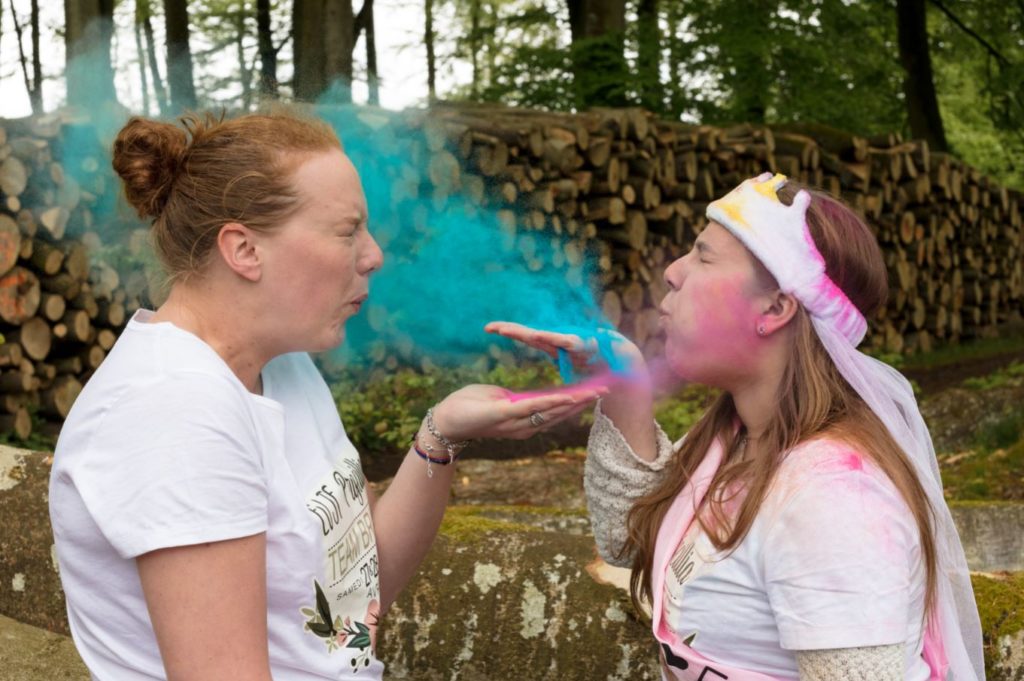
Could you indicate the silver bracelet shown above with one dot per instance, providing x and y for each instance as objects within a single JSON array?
[{"x": 452, "y": 447}]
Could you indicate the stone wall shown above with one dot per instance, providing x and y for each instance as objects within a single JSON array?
[{"x": 506, "y": 592}]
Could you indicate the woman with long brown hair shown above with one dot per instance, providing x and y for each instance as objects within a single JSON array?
[{"x": 798, "y": 530}]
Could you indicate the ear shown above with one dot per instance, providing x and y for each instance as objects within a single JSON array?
[
  {"x": 778, "y": 309},
  {"x": 238, "y": 248}
]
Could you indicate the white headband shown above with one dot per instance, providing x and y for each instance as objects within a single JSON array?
[{"x": 778, "y": 236}]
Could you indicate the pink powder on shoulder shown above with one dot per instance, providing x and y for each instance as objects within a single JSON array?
[{"x": 852, "y": 461}]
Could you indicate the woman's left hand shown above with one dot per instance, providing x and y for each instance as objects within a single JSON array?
[{"x": 486, "y": 411}]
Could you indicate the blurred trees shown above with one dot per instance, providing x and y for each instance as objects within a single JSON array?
[{"x": 948, "y": 71}]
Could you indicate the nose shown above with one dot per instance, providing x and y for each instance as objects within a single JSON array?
[
  {"x": 371, "y": 257},
  {"x": 675, "y": 273}
]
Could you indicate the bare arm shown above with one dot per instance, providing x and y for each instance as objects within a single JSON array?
[
  {"x": 208, "y": 605},
  {"x": 407, "y": 516},
  {"x": 406, "y": 519}
]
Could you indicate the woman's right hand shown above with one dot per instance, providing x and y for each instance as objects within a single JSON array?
[{"x": 583, "y": 354}]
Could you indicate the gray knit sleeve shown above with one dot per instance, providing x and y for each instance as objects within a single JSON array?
[
  {"x": 871, "y": 663},
  {"x": 614, "y": 477}
]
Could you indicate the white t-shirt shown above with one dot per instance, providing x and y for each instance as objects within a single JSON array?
[
  {"x": 165, "y": 447},
  {"x": 832, "y": 560}
]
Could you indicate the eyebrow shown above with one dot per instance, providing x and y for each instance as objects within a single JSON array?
[
  {"x": 702, "y": 247},
  {"x": 355, "y": 217}
]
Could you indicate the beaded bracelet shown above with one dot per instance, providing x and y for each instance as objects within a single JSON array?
[{"x": 426, "y": 456}]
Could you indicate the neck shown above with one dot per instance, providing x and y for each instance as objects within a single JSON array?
[
  {"x": 755, "y": 401},
  {"x": 219, "y": 321}
]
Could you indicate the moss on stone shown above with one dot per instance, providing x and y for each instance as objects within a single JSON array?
[
  {"x": 981, "y": 503},
  {"x": 1000, "y": 599},
  {"x": 468, "y": 524},
  {"x": 555, "y": 511}
]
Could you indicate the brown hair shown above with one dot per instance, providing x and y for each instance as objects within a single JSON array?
[
  {"x": 813, "y": 398},
  {"x": 194, "y": 178}
]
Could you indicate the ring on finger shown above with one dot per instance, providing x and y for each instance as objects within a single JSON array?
[{"x": 537, "y": 419}]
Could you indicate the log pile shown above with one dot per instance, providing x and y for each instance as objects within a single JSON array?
[
  {"x": 632, "y": 190},
  {"x": 61, "y": 306},
  {"x": 618, "y": 186}
]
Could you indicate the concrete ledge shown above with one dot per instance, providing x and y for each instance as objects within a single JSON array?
[
  {"x": 503, "y": 592},
  {"x": 992, "y": 533},
  {"x": 29, "y": 653}
]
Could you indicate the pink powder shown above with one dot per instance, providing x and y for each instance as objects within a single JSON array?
[
  {"x": 852, "y": 461},
  {"x": 602, "y": 380}
]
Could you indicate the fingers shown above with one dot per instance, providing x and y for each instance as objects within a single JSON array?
[
  {"x": 548, "y": 341},
  {"x": 558, "y": 397},
  {"x": 527, "y": 428}
]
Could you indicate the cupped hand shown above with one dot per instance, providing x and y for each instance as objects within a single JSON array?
[
  {"x": 487, "y": 411},
  {"x": 584, "y": 354}
]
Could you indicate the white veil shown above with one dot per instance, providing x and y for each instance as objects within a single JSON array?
[{"x": 891, "y": 398}]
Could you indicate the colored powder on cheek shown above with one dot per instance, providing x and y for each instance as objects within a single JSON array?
[{"x": 723, "y": 313}]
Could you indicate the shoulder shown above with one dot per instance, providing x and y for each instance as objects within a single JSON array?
[
  {"x": 830, "y": 485},
  {"x": 823, "y": 459}
]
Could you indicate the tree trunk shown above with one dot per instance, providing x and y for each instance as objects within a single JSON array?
[
  {"x": 143, "y": 79},
  {"x": 268, "y": 55},
  {"x": 919, "y": 83},
  {"x": 338, "y": 37},
  {"x": 245, "y": 73},
  {"x": 749, "y": 62},
  {"x": 372, "y": 78},
  {"x": 307, "y": 38},
  {"x": 648, "y": 62},
  {"x": 676, "y": 65},
  {"x": 24, "y": 59},
  {"x": 428, "y": 40},
  {"x": 144, "y": 15},
  {"x": 89, "y": 74},
  {"x": 179, "y": 56},
  {"x": 474, "y": 45},
  {"x": 600, "y": 73},
  {"x": 36, "y": 94}
]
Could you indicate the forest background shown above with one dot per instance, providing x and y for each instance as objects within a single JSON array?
[{"x": 947, "y": 71}]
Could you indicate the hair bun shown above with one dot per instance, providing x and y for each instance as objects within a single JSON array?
[{"x": 147, "y": 156}]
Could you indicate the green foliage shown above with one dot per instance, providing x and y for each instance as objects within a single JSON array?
[
  {"x": 974, "y": 350},
  {"x": 36, "y": 441},
  {"x": 993, "y": 469},
  {"x": 677, "y": 413},
  {"x": 980, "y": 86},
  {"x": 1011, "y": 375},
  {"x": 382, "y": 410}
]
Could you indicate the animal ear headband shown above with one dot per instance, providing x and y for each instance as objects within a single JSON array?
[{"x": 778, "y": 236}]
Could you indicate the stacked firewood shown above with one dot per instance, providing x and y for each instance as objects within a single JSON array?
[
  {"x": 617, "y": 187},
  {"x": 61, "y": 307},
  {"x": 632, "y": 190}
]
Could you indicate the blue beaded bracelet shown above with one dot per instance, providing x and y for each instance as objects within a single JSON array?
[{"x": 430, "y": 459}]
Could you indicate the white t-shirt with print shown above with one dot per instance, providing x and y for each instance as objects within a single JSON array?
[
  {"x": 165, "y": 447},
  {"x": 832, "y": 560}
]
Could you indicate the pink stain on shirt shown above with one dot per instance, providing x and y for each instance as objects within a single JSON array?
[{"x": 852, "y": 461}]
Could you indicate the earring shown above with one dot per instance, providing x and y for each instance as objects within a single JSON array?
[{"x": 761, "y": 330}]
